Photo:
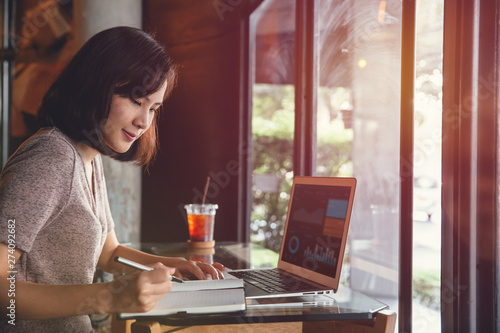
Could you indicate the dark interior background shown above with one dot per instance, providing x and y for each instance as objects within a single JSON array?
[{"x": 199, "y": 124}]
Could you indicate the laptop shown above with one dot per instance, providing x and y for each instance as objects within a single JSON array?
[
  {"x": 313, "y": 244},
  {"x": 295, "y": 301}
]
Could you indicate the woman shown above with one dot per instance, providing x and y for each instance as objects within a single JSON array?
[{"x": 54, "y": 211}]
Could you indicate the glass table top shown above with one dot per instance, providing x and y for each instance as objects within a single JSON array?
[{"x": 345, "y": 304}]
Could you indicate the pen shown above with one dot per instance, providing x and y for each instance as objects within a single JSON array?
[{"x": 141, "y": 267}]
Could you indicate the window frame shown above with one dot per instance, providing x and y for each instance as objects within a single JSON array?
[
  {"x": 306, "y": 87},
  {"x": 470, "y": 163}
]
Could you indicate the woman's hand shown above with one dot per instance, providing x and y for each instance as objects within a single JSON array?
[
  {"x": 198, "y": 269},
  {"x": 141, "y": 291}
]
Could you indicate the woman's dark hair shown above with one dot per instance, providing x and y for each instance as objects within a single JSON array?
[{"x": 121, "y": 61}]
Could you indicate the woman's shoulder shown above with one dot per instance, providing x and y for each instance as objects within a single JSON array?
[
  {"x": 50, "y": 139},
  {"x": 47, "y": 145}
]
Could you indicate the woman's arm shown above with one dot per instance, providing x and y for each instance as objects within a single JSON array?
[
  {"x": 138, "y": 292},
  {"x": 112, "y": 249}
]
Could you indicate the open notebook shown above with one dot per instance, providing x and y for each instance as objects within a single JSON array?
[
  {"x": 197, "y": 297},
  {"x": 313, "y": 244}
]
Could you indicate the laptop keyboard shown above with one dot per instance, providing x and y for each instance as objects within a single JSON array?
[{"x": 272, "y": 280}]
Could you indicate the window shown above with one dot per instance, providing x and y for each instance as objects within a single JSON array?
[
  {"x": 415, "y": 120},
  {"x": 349, "y": 57}
]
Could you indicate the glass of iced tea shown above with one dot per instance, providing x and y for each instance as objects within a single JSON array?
[{"x": 201, "y": 224}]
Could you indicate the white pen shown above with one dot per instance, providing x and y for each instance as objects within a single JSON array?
[{"x": 141, "y": 267}]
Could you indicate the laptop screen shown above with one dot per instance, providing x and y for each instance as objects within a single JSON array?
[{"x": 315, "y": 227}]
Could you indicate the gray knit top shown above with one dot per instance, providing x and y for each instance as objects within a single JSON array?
[{"x": 58, "y": 223}]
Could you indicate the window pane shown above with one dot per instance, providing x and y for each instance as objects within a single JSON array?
[
  {"x": 272, "y": 28},
  {"x": 358, "y": 132},
  {"x": 427, "y": 167}
]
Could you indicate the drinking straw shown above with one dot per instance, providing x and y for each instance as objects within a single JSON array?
[{"x": 205, "y": 192}]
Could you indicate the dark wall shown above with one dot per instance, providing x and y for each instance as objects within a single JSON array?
[{"x": 198, "y": 126}]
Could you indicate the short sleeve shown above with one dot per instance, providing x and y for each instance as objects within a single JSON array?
[{"x": 35, "y": 186}]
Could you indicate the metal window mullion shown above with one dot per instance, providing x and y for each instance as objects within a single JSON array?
[
  {"x": 486, "y": 213},
  {"x": 406, "y": 158},
  {"x": 459, "y": 115},
  {"x": 306, "y": 81}
]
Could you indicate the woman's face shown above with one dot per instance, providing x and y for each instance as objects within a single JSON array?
[{"x": 129, "y": 118}]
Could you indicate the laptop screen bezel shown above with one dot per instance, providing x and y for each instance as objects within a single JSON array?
[{"x": 331, "y": 282}]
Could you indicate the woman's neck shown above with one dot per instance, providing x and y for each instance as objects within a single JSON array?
[{"x": 88, "y": 153}]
